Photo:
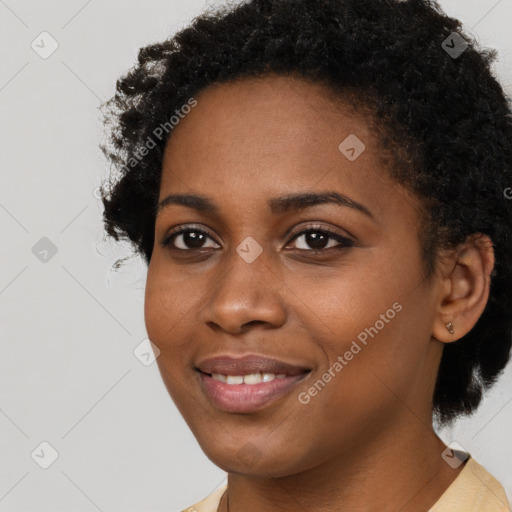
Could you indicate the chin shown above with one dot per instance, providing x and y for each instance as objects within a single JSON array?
[{"x": 249, "y": 458}]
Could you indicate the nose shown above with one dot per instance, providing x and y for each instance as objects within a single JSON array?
[{"x": 245, "y": 294}]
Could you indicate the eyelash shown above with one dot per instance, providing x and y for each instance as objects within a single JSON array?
[{"x": 344, "y": 241}]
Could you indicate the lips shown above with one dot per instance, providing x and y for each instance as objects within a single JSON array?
[
  {"x": 249, "y": 383},
  {"x": 249, "y": 364}
]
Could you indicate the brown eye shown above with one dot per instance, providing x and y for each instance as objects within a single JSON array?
[
  {"x": 187, "y": 239},
  {"x": 318, "y": 239}
]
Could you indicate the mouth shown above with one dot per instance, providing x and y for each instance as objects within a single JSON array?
[{"x": 246, "y": 384}]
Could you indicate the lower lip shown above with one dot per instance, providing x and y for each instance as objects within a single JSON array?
[{"x": 246, "y": 397}]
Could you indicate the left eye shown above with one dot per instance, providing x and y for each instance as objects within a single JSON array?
[{"x": 318, "y": 239}]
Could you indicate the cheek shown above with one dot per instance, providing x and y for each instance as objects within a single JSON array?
[
  {"x": 373, "y": 330},
  {"x": 338, "y": 306},
  {"x": 375, "y": 366},
  {"x": 169, "y": 327},
  {"x": 167, "y": 306},
  {"x": 167, "y": 302},
  {"x": 157, "y": 305},
  {"x": 363, "y": 385}
]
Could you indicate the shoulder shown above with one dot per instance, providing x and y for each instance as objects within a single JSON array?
[
  {"x": 208, "y": 504},
  {"x": 474, "y": 489}
]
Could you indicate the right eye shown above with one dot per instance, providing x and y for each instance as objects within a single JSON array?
[{"x": 189, "y": 239}]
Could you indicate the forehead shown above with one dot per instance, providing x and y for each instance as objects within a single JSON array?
[
  {"x": 270, "y": 136},
  {"x": 271, "y": 112}
]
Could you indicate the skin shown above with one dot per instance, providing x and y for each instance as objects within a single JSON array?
[{"x": 365, "y": 441}]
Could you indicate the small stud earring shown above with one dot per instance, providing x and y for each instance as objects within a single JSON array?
[{"x": 449, "y": 326}]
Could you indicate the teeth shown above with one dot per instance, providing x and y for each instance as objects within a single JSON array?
[
  {"x": 234, "y": 379},
  {"x": 253, "y": 378}
]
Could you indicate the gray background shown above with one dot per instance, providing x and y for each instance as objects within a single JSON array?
[{"x": 69, "y": 376}]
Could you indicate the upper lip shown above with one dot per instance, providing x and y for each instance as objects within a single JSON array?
[{"x": 229, "y": 365}]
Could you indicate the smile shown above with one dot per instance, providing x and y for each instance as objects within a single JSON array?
[
  {"x": 247, "y": 383},
  {"x": 251, "y": 378},
  {"x": 247, "y": 393}
]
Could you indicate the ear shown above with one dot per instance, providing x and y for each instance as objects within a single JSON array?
[{"x": 465, "y": 285}]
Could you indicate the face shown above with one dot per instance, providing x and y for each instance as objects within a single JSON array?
[{"x": 332, "y": 285}]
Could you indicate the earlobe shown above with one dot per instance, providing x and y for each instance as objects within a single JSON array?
[{"x": 465, "y": 289}]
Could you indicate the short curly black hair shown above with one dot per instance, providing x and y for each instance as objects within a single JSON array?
[{"x": 430, "y": 94}]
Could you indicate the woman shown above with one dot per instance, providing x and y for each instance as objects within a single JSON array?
[{"x": 317, "y": 188}]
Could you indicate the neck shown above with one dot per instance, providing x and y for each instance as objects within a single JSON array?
[{"x": 400, "y": 469}]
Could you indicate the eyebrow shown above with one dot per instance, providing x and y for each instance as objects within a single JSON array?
[{"x": 278, "y": 205}]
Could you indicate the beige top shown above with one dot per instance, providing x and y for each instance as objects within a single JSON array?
[{"x": 474, "y": 490}]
